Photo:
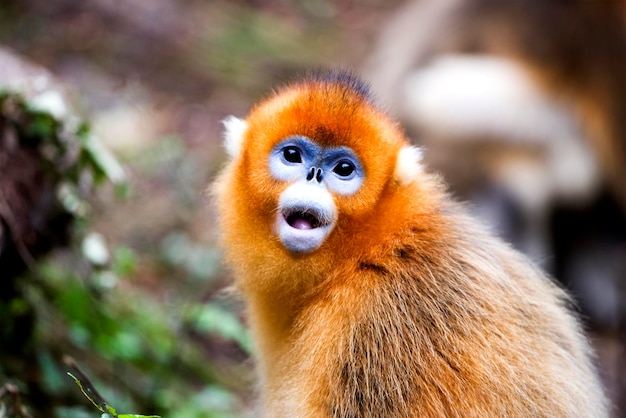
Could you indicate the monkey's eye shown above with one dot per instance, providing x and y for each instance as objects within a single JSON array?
[
  {"x": 292, "y": 154},
  {"x": 344, "y": 168}
]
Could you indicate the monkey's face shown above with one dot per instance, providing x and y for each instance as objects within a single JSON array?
[
  {"x": 306, "y": 208},
  {"x": 310, "y": 165}
]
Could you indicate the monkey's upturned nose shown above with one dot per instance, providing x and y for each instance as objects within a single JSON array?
[{"x": 316, "y": 173}]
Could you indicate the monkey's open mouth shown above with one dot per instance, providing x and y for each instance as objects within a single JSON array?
[{"x": 302, "y": 220}]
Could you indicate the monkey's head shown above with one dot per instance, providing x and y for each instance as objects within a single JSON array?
[{"x": 309, "y": 167}]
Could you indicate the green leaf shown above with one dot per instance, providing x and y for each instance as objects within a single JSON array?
[
  {"x": 124, "y": 261},
  {"x": 213, "y": 319},
  {"x": 42, "y": 125},
  {"x": 137, "y": 416},
  {"x": 103, "y": 161}
]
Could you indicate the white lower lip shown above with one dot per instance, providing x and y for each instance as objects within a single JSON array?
[{"x": 300, "y": 240}]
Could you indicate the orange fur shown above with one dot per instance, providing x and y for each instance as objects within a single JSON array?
[{"x": 408, "y": 308}]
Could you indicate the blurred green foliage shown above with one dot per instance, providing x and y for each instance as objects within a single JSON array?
[
  {"x": 69, "y": 152},
  {"x": 245, "y": 41},
  {"x": 144, "y": 343},
  {"x": 145, "y": 347}
]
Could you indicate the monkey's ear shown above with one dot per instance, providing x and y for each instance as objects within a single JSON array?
[
  {"x": 408, "y": 165},
  {"x": 234, "y": 129}
]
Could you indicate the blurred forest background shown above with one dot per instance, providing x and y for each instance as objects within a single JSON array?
[{"x": 110, "y": 134}]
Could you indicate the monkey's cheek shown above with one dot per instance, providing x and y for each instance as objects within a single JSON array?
[{"x": 301, "y": 241}]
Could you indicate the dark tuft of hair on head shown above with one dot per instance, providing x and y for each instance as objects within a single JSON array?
[{"x": 344, "y": 78}]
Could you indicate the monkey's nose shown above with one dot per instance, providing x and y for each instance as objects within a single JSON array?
[{"x": 316, "y": 173}]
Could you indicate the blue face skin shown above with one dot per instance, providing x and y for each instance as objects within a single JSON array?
[
  {"x": 306, "y": 209},
  {"x": 298, "y": 158}
]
